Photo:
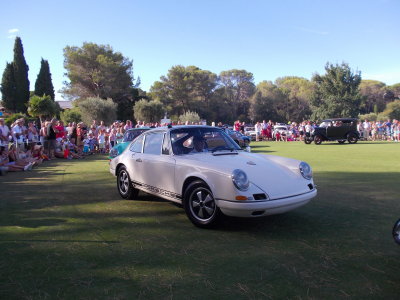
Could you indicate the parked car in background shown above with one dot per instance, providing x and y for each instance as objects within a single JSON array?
[
  {"x": 396, "y": 232},
  {"x": 202, "y": 168},
  {"x": 129, "y": 136},
  {"x": 240, "y": 139},
  {"x": 337, "y": 129},
  {"x": 250, "y": 132},
  {"x": 283, "y": 129}
]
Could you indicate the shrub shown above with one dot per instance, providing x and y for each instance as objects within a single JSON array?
[{"x": 190, "y": 116}]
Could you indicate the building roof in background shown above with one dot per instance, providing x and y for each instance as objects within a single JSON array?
[{"x": 65, "y": 104}]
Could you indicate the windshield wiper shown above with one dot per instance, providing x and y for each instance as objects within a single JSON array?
[{"x": 219, "y": 148}]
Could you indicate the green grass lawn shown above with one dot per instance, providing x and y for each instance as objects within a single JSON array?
[{"x": 66, "y": 234}]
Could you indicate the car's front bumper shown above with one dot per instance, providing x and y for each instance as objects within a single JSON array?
[{"x": 253, "y": 209}]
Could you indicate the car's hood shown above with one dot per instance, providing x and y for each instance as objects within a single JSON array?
[{"x": 277, "y": 176}]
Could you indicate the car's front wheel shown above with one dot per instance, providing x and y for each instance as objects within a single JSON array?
[
  {"x": 396, "y": 232},
  {"x": 352, "y": 138},
  {"x": 200, "y": 206},
  {"x": 124, "y": 185},
  {"x": 307, "y": 140}
]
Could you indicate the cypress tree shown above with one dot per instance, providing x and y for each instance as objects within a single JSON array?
[
  {"x": 43, "y": 84},
  {"x": 8, "y": 88},
  {"x": 21, "y": 77}
]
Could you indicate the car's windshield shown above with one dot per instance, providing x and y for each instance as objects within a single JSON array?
[
  {"x": 201, "y": 139},
  {"x": 325, "y": 124},
  {"x": 130, "y": 135}
]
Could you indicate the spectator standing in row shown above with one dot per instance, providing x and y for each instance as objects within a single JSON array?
[
  {"x": 4, "y": 133},
  {"x": 51, "y": 138},
  {"x": 258, "y": 129},
  {"x": 366, "y": 129}
]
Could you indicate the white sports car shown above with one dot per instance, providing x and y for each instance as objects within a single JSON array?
[{"x": 203, "y": 169}]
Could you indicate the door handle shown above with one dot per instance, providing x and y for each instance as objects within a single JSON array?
[{"x": 139, "y": 160}]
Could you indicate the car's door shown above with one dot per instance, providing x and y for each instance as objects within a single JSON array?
[
  {"x": 135, "y": 160},
  {"x": 158, "y": 165},
  {"x": 334, "y": 131}
]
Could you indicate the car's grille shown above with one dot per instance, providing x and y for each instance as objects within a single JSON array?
[{"x": 259, "y": 196}]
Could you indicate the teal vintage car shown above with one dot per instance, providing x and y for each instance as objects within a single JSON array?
[{"x": 129, "y": 136}]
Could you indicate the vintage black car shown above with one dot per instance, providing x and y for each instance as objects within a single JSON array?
[{"x": 337, "y": 129}]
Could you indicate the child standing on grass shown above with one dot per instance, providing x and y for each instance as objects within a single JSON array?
[
  {"x": 102, "y": 141},
  {"x": 86, "y": 145},
  {"x": 92, "y": 143}
]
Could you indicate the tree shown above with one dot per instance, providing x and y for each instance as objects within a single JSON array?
[
  {"x": 98, "y": 109},
  {"x": 265, "y": 103},
  {"x": 21, "y": 77},
  {"x": 8, "y": 88},
  {"x": 43, "y": 107},
  {"x": 97, "y": 71},
  {"x": 392, "y": 110},
  {"x": 185, "y": 88},
  {"x": 238, "y": 88},
  {"x": 395, "y": 88},
  {"x": 148, "y": 111},
  {"x": 337, "y": 92},
  {"x": 298, "y": 91},
  {"x": 43, "y": 84},
  {"x": 373, "y": 95}
]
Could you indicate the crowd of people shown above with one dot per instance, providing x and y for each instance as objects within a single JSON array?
[
  {"x": 271, "y": 131},
  {"x": 23, "y": 146}
]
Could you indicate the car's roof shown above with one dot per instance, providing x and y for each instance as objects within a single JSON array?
[
  {"x": 340, "y": 119},
  {"x": 139, "y": 128},
  {"x": 171, "y": 128}
]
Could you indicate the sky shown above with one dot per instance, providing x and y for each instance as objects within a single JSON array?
[{"x": 270, "y": 39}]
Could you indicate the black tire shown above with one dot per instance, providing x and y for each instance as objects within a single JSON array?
[
  {"x": 318, "y": 140},
  {"x": 200, "y": 206},
  {"x": 307, "y": 140},
  {"x": 341, "y": 141},
  {"x": 352, "y": 138},
  {"x": 396, "y": 232},
  {"x": 124, "y": 185}
]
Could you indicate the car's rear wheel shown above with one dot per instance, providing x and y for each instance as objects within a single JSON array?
[
  {"x": 396, "y": 232},
  {"x": 124, "y": 185},
  {"x": 352, "y": 138},
  {"x": 200, "y": 206},
  {"x": 307, "y": 140},
  {"x": 318, "y": 139}
]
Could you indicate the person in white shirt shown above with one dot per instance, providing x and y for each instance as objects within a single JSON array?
[
  {"x": 258, "y": 129},
  {"x": 18, "y": 133},
  {"x": 366, "y": 129},
  {"x": 4, "y": 133}
]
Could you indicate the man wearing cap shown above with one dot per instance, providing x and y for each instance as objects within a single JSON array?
[
  {"x": 18, "y": 132},
  {"x": 4, "y": 133}
]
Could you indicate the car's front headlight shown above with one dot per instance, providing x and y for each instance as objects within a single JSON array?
[
  {"x": 114, "y": 153},
  {"x": 305, "y": 170},
  {"x": 240, "y": 180}
]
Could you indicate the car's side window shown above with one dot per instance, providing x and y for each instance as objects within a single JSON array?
[
  {"x": 153, "y": 142},
  {"x": 137, "y": 145},
  {"x": 166, "y": 145}
]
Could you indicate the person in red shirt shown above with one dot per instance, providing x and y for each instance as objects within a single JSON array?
[
  {"x": 236, "y": 126},
  {"x": 61, "y": 130}
]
